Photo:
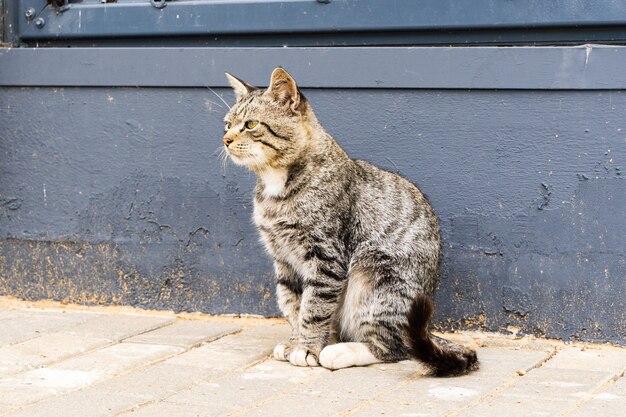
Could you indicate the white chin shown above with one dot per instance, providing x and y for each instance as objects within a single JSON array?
[{"x": 245, "y": 161}]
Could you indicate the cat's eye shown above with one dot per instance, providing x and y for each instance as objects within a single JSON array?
[
  {"x": 227, "y": 127},
  {"x": 251, "y": 124}
]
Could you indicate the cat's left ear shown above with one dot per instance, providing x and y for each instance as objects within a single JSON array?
[
  {"x": 283, "y": 89},
  {"x": 241, "y": 88}
]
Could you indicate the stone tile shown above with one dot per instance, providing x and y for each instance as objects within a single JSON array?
[
  {"x": 541, "y": 392},
  {"x": 332, "y": 393},
  {"x": 502, "y": 341},
  {"x": 360, "y": 382},
  {"x": 156, "y": 382},
  {"x": 241, "y": 390},
  {"x": 44, "y": 349},
  {"x": 406, "y": 365},
  {"x": 171, "y": 410},
  {"x": 58, "y": 380},
  {"x": 302, "y": 405},
  {"x": 273, "y": 331},
  {"x": 118, "y": 358},
  {"x": 395, "y": 409},
  {"x": 80, "y": 372},
  {"x": 505, "y": 360},
  {"x": 186, "y": 333},
  {"x": 118, "y": 394},
  {"x": 513, "y": 406},
  {"x": 91, "y": 403},
  {"x": 21, "y": 325},
  {"x": 561, "y": 384},
  {"x": 611, "y": 359},
  {"x": 12, "y": 396},
  {"x": 116, "y": 327},
  {"x": 438, "y": 396},
  {"x": 609, "y": 402},
  {"x": 234, "y": 351},
  {"x": 434, "y": 396}
]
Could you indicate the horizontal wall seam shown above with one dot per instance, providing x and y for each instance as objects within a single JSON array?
[{"x": 585, "y": 67}]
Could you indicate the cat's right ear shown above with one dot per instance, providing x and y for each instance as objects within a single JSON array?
[
  {"x": 283, "y": 89},
  {"x": 241, "y": 87}
]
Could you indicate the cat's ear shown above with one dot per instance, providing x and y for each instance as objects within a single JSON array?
[
  {"x": 283, "y": 89},
  {"x": 241, "y": 88}
]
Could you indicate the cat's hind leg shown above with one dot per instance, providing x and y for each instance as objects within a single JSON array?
[{"x": 371, "y": 321}]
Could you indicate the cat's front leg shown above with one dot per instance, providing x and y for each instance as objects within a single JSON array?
[
  {"x": 317, "y": 312},
  {"x": 288, "y": 294}
]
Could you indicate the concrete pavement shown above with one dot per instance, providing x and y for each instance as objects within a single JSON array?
[{"x": 71, "y": 361}]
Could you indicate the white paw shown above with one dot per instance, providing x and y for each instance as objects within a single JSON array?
[
  {"x": 301, "y": 356},
  {"x": 280, "y": 352},
  {"x": 344, "y": 355}
]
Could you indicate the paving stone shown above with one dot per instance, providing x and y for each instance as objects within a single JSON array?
[
  {"x": 394, "y": 409},
  {"x": 241, "y": 390},
  {"x": 274, "y": 331},
  {"x": 15, "y": 395},
  {"x": 81, "y": 371},
  {"x": 506, "y": 360},
  {"x": 117, "y": 358},
  {"x": 92, "y": 403},
  {"x": 162, "y": 379},
  {"x": 302, "y": 405},
  {"x": 360, "y": 382},
  {"x": 609, "y": 402},
  {"x": 150, "y": 365},
  {"x": 234, "y": 351},
  {"x": 186, "y": 333},
  {"x": 156, "y": 382},
  {"x": 21, "y": 325},
  {"x": 116, "y": 327},
  {"x": 43, "y": 350},
  {"x": 333, "y": 392},
  {"x": 35, "y": 385},
  {"x": 171, "y": 410},
  {"x": 564, "y": 384},
  {"x": 118, "y": 394},
  {"x": 501, "y": 341},
  {"x": 514, "y": 406},
  {"x": 612, "y": 360},
  {"x": 542, "y": 391},
  {"x": 437, "y": 396}
]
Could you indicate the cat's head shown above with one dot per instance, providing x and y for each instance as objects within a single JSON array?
[{"x": 266, "y": 128}]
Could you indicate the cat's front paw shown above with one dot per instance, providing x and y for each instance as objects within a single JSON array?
[
  {"x": 281, "y": 351},
  {"x": 303, "y": 356}
]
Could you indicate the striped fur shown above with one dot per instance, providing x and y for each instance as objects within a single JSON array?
[{"x": 354, "y": 247}]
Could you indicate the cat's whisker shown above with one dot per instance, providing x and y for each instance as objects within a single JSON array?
[
  {"x": 220, "y": 97},
  {"x": 212, "y": 102},
  {"x": 223, "y": 156}
]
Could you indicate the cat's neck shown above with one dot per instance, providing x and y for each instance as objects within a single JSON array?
[
  {"x": 273, "y": 181},
  {"x": 321, "y": 153}
]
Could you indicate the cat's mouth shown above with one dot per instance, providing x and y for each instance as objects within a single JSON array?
[{"x": 244, "y": 157}]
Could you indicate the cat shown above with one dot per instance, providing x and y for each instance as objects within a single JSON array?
[{"x": 356, "y": 249}]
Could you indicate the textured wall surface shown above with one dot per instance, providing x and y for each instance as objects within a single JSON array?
[{"x": 118, "y": 196}]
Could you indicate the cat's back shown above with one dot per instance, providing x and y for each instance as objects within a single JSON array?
[{"x": 391, "y": 209}]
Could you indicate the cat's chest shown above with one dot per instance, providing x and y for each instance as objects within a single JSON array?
[{"x": 282, "y": 230}]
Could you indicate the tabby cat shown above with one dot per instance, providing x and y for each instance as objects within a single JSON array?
[{"x": 356, "y": 249}]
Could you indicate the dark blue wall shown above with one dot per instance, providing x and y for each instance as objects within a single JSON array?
[{"x": 118, "y": 196}]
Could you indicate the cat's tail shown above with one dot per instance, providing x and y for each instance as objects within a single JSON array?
[{"x": 444, "y": 358}]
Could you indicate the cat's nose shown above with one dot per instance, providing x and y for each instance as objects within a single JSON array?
[{"x": 228, "y": 140}]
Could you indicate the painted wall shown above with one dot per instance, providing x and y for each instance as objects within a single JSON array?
[{"x": 119, "y": 196}]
